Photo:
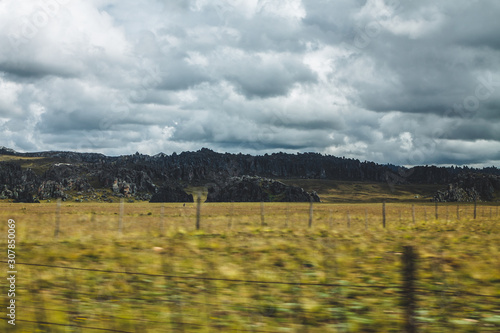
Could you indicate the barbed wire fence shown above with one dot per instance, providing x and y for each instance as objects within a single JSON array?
[{"x": 409, "y": 290}]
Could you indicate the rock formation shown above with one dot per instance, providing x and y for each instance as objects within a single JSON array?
[
  {"x": 69, "y": 174},
  {"x": 171, "y": 194},
  {"x": 257, "y": 189},
  {"x": 470, "y": 187}
]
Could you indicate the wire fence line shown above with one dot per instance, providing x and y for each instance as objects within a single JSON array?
[
  {"x": 420, "y": 292},
  {"x": 121, "y": 331},
  {"x": 189, "y": 277}
]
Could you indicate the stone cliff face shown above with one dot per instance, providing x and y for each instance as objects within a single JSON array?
[
  {"x": 171, "y": 194},
  {"x": 470, "y": 187},
  {"x": 139, "y": 176},
  {"x": 257, "y": 189},
  {"x": 16, "y": 183}
]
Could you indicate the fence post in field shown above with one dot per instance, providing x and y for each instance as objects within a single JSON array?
[
  {"x": 287, "y": 214},
  {"x": 198, "y": 210},
  {"x": 310, "y": 212},
  {"x": 348, "y": 219},
  {"x": 475, "y": 208},
  {"x": 409, "y": 300},
  {"x": 425, "y": 214},
  {"x": 58, "y": 217},
  {"x": 447, "y": 213},
  {"x": 383, "y": 213},
  {"x": 436, "y": 210},
  {"x": 366, "y": 219},
  {"x": 262, "y": 215},
  {"x": 413, "y": 213},
  {"x": 230, "y": 223},
  {"x": 458, "y": 212},
  {"x": 330, "y": 220},
  {"x": 162, "y": 220},
  {"x": 491, "y": 212},
  {"x": 120, "y": 218}
]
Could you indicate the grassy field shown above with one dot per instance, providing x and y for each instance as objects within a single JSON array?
[
  {"x": 242, "y": 273},
  {"x": 357, "y": 192}
]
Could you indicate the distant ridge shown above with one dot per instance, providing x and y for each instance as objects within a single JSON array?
[{"x": 63, "y": 173}]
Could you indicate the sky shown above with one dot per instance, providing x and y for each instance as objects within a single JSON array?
[{"x": 391, "y": 81}]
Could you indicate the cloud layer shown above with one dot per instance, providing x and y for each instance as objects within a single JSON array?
[{"x": 401, "y": 82}]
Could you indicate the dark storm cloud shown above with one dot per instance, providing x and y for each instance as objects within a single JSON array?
[{"x": 406, "y": 82}]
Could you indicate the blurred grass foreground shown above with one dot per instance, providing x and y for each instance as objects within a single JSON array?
[{"x": 253, "y": 268}]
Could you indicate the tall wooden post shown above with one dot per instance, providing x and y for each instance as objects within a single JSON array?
[
  {"x": 436, "y": 211},
  {"x": 198, "y": 211},
  {"x": 120, "y": 218},
  {"x": 287, "y": 214},
  {"x": 310, "y": 213},
  {"x": 162, "y": 220},
  {"x": 475, "y": 208},
  {"x": 366, "y": 219},
  {"x": 409, "y": 298},
  {"x": 383, "y": 214},
  {"x": 58, "y": 217},
  {"x": 262, "y": 215},
  {"x": 230, "y": 223},
  {"x": 413, "y": 213}
]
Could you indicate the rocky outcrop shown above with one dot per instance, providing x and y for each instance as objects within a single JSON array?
[
  {"x": 125, "y": 181},
  {"x": 16, "y": 183},
  {"x": 138, "y": 176},
  {"x": 257, "y": 189},
  {"x": 470, "y": 187},
  {"x": 171, "y": 194},
  {"x": 26, "y": 197}
]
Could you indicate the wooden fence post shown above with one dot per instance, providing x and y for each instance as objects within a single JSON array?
[
  {"x": 409, "y": 300},
  {"x": 348, "y": 219},
  {"x": 162, "y": 220},
  {"x": 230, "y": 223},
  {"x": 120, "y": 218},
  {"x": 436, "y": 211},
  {"x": 58, "y": 217},
  {"x": 413, "y": 213},
  {"x": 310, "y": 213},
  {"x": 330, "y": 220},
  {"x": 425, "y": 214},
  {"x": 383, "y": 213},
  {"x": 366, "y": 219},
  {"x": 262, "y": 214},
  {"x": 475, "y": 208},
  {"x": 458, "y": 212},
  {"x": 287, "y": 214},
  {"x": 198, "y": 210}
]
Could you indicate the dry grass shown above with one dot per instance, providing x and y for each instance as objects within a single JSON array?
[{"x": 457, "y": 258}]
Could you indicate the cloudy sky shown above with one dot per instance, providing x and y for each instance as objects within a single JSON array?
[{"x": 403, "y": 82}]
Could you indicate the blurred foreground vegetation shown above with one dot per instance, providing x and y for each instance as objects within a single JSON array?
[{"x": 242, "y": 272}]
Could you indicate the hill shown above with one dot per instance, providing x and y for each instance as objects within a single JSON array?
[{"x": 96, "y": 177}]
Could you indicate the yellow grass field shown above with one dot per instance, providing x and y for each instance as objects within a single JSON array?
[{"x": 248, "y": 272}]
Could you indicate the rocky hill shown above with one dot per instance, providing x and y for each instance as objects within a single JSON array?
[
  {"x": 470, "y": 187},
  {"x": 257, "y": 189},
  {"x": 92, "y": 176}
]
